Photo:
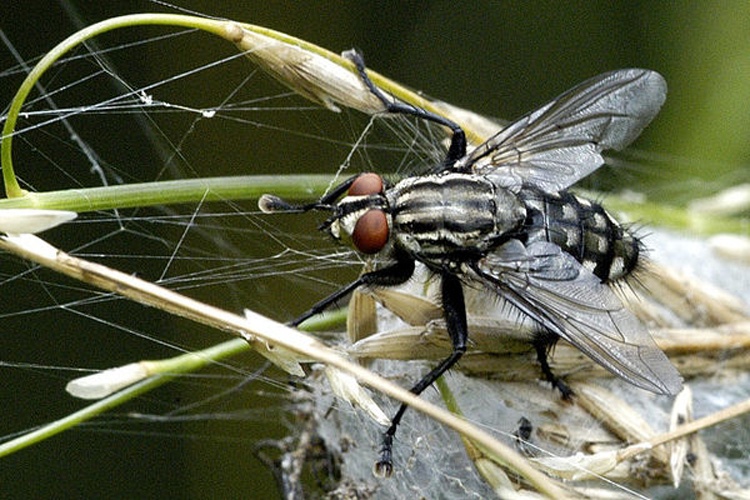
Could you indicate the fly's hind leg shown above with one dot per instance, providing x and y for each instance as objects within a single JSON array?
[
  {"x": 543, "y": 342},
  {"x": 454, "y": 311}
]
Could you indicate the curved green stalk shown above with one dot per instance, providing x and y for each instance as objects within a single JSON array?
[{"x": 12, "y": 188}]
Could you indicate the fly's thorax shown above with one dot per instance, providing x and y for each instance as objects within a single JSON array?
[
  {"x": 583, "y": 229},
  {"x": 442, "y": 218}
]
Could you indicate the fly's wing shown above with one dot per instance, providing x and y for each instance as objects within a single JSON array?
[
  {"x": 553, "y": 289},
  {"x": 561, "y": 142}
]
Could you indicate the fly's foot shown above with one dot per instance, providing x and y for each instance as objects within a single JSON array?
[{"x": 384, "y": 466}]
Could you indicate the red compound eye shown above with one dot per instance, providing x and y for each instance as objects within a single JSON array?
[
  {"x": 371, "y": 232},
  {"x": 366, "y": 184}
]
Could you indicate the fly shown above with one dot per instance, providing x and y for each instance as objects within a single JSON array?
[{"x": 499, "y": 217}]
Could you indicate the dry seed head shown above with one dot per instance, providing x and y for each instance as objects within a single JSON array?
[
  {"x": 346, "y": 387},
  {"x": 32, "y": 220},
  {"x": 311, "y": 75},
  {"x": 102, "y": 384}
]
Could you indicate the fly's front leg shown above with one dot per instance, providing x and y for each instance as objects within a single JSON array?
[
  {"x": 395, "y": 274},
  {"x": 454, "y": 311},
  {"x": 457, "y": 149},
  {"x": 272, "y": 204}
]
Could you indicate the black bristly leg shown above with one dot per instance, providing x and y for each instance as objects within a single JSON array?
[
  {"x": 454, "y": 311},
  {"x": 457, "y": 149},
  {"x": 542, "y": 344},
  {"x": 395, "y": 274},
  {"x": 337, "y": 191}
]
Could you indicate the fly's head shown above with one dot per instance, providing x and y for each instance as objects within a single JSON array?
[{"x": 362, "y": 215}]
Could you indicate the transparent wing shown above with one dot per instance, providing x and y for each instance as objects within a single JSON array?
[
  {"x": 561, "y": 142},
  {"x": 553, "y": 289}
]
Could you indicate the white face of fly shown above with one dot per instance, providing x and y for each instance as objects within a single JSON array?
[
  {"x": 365, "y": 219},
  {"x": 348, "y": 220}
]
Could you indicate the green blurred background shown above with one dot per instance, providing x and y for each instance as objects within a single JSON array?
[{"x": 500, "y": 59}]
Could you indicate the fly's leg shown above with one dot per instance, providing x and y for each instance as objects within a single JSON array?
[
  {"x": 543, "y": 342},
  {"x": 454, "y": 311},
  {"x": 395, "y": 274},
  {"x": 457, "y": 149}
]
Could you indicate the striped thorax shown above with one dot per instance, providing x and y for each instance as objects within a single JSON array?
[{"x": 444, "y": 219}]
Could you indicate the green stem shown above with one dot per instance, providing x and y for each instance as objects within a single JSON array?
[
  {"x": 163, "y": 371},
  {"x": 170, "y": 192},
  {"x": 172, "y": 368},
  {"x": 306, "y": 187},
  {"x": 679, "y": 218}
]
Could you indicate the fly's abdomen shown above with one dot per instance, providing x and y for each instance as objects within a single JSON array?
[{"x": 583, "y": 229}]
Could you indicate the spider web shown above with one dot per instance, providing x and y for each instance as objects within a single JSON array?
[
  {"x": 118, "y": 112},
  {"x": 121, "y": 112}
]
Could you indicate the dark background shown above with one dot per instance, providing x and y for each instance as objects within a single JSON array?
[{"x": 501, "y": 59}]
